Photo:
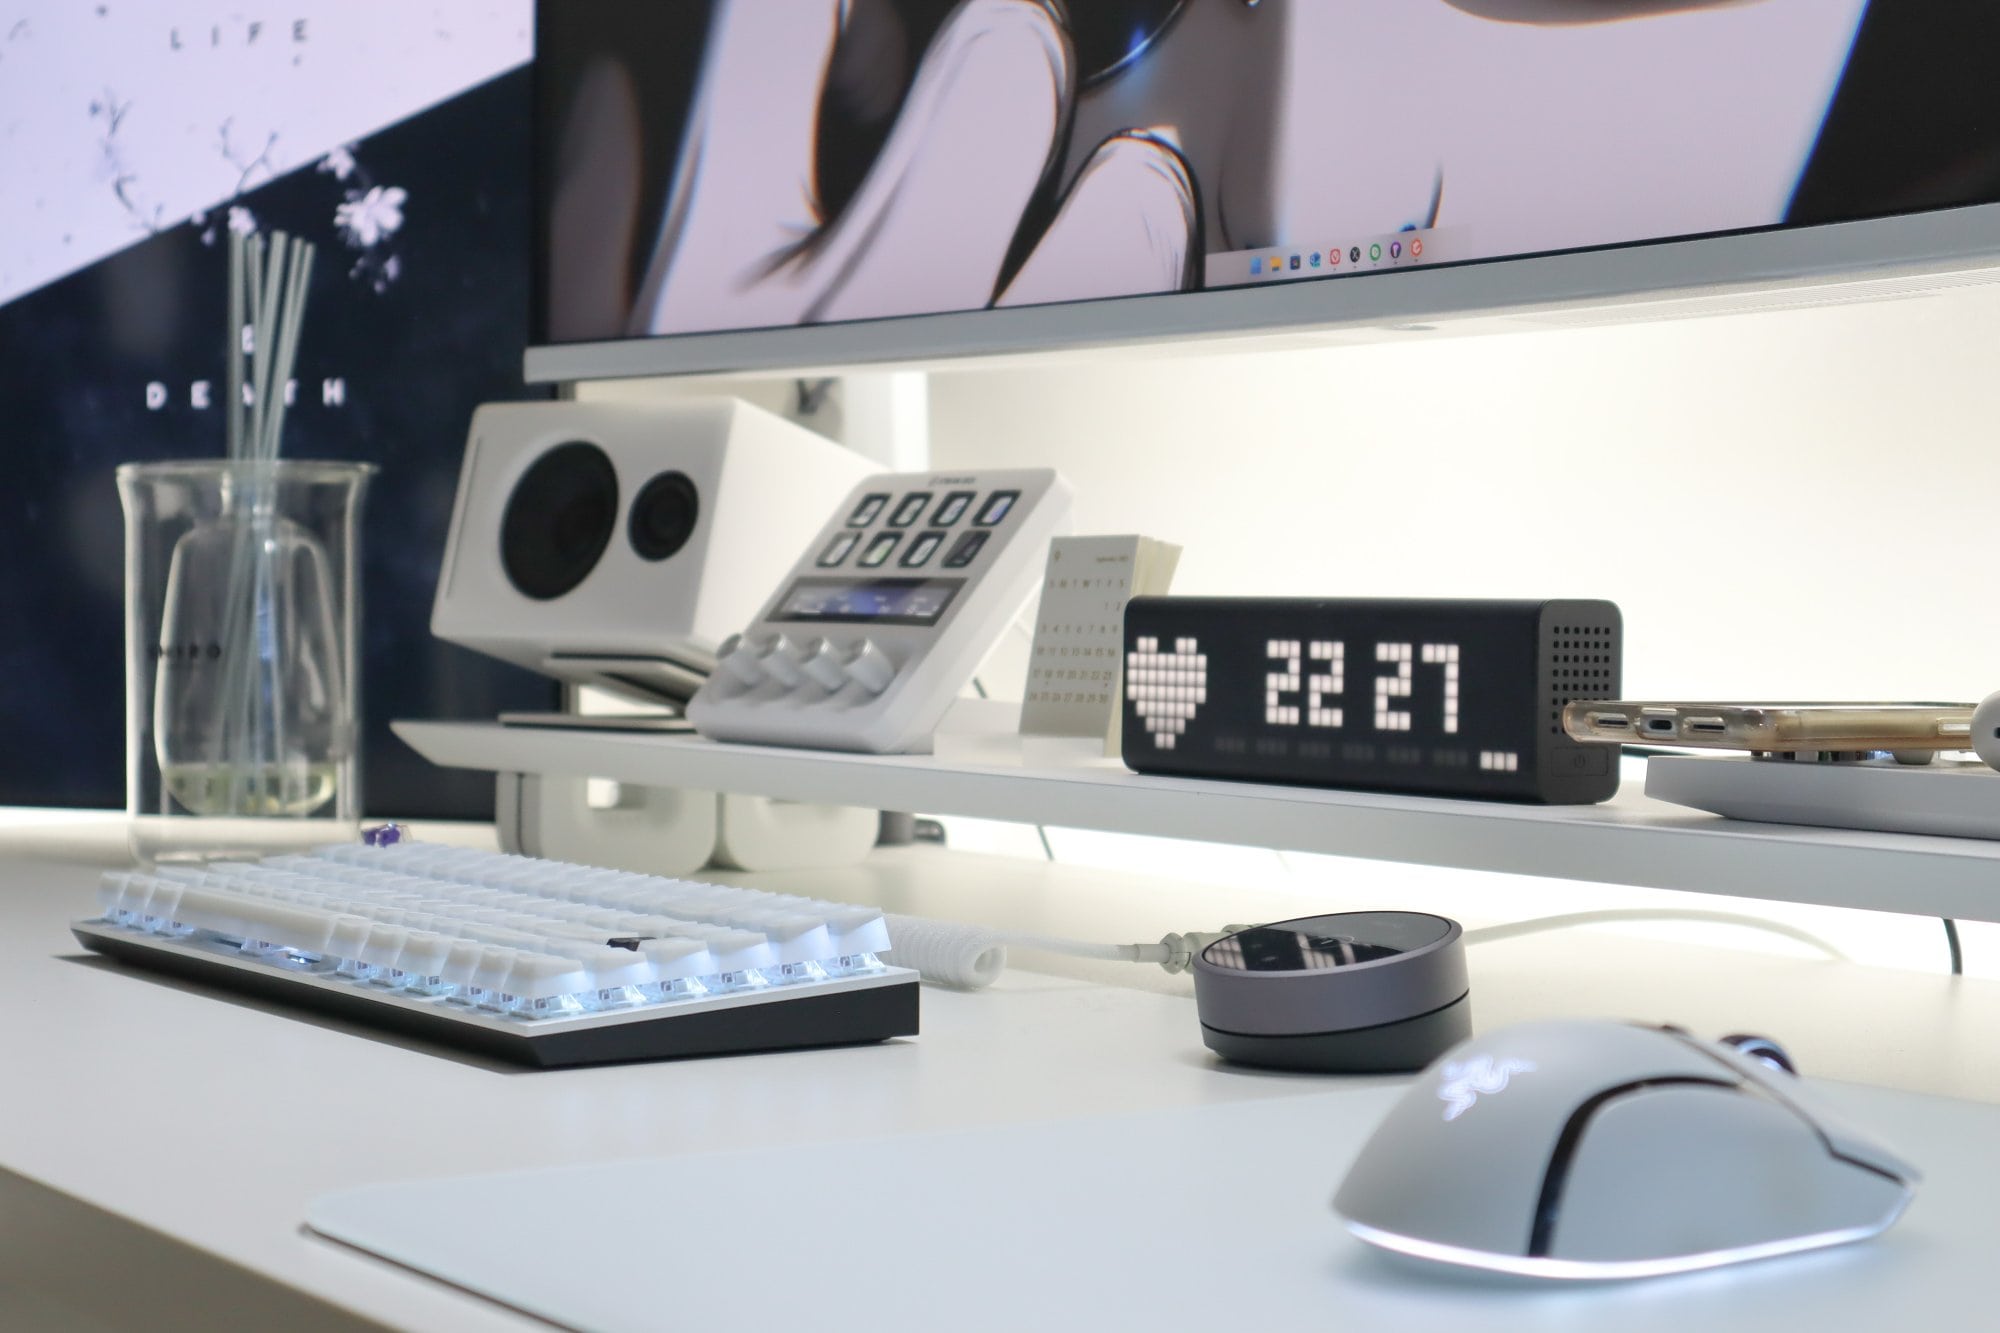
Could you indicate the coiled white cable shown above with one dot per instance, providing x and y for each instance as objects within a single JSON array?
[{"x": 945, "y": 952}]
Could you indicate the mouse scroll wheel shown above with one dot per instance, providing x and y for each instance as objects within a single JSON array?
[{"x": 1762, "y": 1049}]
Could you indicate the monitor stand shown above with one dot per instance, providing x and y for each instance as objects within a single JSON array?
[{"x": 668, "y": 831}]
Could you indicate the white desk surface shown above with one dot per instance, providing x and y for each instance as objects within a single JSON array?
[{"x": 216, "y": 1121}]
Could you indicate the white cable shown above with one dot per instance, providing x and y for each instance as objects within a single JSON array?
[
  {"x": 1488, "y": 934},
  {"x": 950, "y": 953}
]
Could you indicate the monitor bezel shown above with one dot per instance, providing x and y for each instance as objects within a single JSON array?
[{"x": 1877, "y": 256}]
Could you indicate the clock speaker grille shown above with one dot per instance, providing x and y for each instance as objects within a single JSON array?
[{"x": 1583, "y": 664}]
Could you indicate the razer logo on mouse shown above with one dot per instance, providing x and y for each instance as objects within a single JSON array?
[{"x": 1465, "y": 1080}]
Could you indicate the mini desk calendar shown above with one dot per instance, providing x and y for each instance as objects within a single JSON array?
[{"x": 1076, "y": 670}]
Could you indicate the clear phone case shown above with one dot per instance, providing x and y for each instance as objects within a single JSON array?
[{"x": 1774, "y": 728}]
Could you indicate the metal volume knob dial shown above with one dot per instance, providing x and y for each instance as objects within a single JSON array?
[
  {"x": 823, "y": 665},
  {"x": 735, "y": 660},
  {"x": 779, "y": 657},
  {"x": 869, "y": 667}
]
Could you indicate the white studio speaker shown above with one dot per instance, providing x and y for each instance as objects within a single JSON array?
[{"x": 617, "y": 545}]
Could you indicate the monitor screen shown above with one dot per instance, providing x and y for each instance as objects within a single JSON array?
[{"x": 723, "y": 166}]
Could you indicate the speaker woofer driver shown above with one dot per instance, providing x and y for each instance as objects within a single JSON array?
[{"x": 559, "y": 519}]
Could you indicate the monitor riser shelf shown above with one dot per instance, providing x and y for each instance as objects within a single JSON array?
[{"x": 1631, "y": 840}]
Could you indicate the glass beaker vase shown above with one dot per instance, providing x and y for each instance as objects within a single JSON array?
[{"x": 242, "y": 684}]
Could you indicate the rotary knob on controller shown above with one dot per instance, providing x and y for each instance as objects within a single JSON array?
[
  {"x": 823, "y": 664},
  {"x": 779, "y": 657},
  {"x": 870, "y": 668},
  {"x": 735, "y": 660}
]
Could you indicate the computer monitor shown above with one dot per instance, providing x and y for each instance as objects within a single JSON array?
[{"x": 729, "y": 185}]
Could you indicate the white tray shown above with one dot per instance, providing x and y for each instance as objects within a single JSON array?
[{"x": 1956, "y": 799}]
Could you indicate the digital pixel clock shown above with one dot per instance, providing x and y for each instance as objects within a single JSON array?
[{"x": 1449, "y": 698}]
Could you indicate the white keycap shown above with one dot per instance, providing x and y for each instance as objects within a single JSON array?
[
  {"x": 287, "y": 924},
  {"x": 461, "y": 962},
  {"x": 348, "y": 933},
  {"x": 680, "y": 959},
  {"x": 424, "y": 952},
  {"x": 152, "y": 897},
  {"x": 793, "y": 938},
  {"x": 536, "y": 976},
  {"x": 857, "y": 930},
  {"x": 626, "y": 923},
  {"x": 383, "y": 946},
  {"x": 614, "y": 969},
  {"x": 734, "y": 950},
  {"x": 496, "y": 961},
  {"x": 111, "y": 892}
]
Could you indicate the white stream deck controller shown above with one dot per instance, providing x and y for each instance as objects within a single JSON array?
[{"x": 888, "y": 613}]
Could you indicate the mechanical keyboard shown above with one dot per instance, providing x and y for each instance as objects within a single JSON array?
[{"x": 536, "y": 962}]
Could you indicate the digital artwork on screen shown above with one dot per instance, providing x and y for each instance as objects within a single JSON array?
[{"x": 733, "y": 165}]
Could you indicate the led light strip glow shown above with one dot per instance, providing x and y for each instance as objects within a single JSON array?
[
  {"x": 1588, "y": 1270},
  {"x": 375, "y": 979}
]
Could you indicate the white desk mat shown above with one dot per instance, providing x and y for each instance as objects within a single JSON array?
[{"x": 1159, "y": 1218}]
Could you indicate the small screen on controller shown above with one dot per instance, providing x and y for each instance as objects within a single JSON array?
[{"x": 867, "y": 601}]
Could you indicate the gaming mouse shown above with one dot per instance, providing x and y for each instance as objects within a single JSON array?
[{"x": 1589, "y": 1149}]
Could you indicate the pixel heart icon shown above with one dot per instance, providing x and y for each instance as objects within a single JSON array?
[{"x": 1166, "y": 689}]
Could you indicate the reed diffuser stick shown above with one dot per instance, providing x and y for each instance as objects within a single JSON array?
[
  {"x": 269, "y": 281},
  {"x": 291, "y": 322},
  {"x": 273, "y": 280},
  {"x": 254, "y": 277},
  {"x": 233, "y": 405}
]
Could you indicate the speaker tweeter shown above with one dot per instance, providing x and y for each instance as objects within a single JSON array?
[{"x": 663, "y": 516}]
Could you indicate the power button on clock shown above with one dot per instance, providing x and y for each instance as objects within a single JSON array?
[{"x": 1589, "y": 762}]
